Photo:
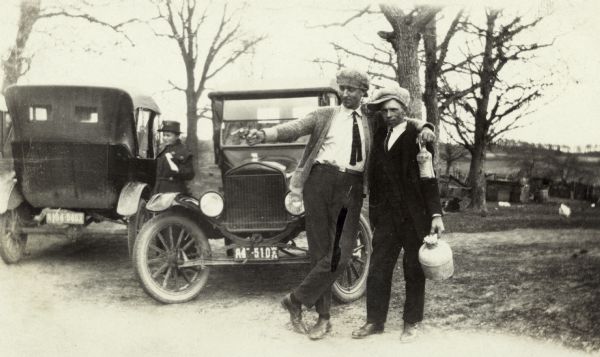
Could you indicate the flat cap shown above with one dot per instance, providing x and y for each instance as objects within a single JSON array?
[
  {"x": 353, "y": 78},
  {"x": 384, "y": 94}
]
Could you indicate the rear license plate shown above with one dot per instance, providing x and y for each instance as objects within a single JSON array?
[
  {"x": 256, "y": 253},
  {"x": 64, "y": 217}
]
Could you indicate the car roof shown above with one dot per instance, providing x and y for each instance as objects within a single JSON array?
[
  {"x": 268, "y": 87},
  {"x": 139, "y": 99}
]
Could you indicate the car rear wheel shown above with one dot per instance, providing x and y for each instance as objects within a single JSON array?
[
  {"x": 135, "y": 223},
  {"x": 352, "y": 284},
  {"x": 164, "y": 244},
  {"x": 12, "y": 245}
]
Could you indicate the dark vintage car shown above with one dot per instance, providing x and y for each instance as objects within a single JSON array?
[
  {"x": 81, "y": 154},
  {"x": 254, "y": 213}
]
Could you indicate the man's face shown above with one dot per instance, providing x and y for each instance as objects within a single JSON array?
[
  {"x": 351, "y": 96},
  {"x": 169, "y": 138},
  {"x": 393, "y": 113}
]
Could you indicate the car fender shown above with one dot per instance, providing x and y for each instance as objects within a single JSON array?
[
  {"x": 163, "y": 201},
  {"x": 130, "y": 197},
  {"x": 10, "y": 197}
]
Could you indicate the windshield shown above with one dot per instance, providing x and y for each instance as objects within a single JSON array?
[{"x": 262, "y": 113}]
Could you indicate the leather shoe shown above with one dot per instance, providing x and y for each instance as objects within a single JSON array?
[
  {"x": 320, "y": 329},
  {"x": 367, "y": 330},
  {"x": 295, "y": 314},
  {"x": 410, "y": 332}
]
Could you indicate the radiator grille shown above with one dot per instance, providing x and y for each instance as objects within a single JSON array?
[{"x": 255, "y": 202}]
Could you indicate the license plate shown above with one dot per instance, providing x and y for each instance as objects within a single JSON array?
[
  {"x": 64, "y": 217},
  {"x": 256, "y": 253}
]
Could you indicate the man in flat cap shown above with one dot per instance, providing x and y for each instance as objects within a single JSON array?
[
  {"x": 330, "y": 178},
  {"x": 174, "y": 163},
  {"x": 404, "y": 207}
]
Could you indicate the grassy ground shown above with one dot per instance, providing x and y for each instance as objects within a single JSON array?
[
  {"x": 530, "y": 215},
  {"x": 523, "y": 269},
  {"x": 538, "y": 283}
]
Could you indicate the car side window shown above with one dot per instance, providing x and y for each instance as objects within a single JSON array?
[
  {"x": 143, "y": 117},
  {"x": 39, "y": 112}
]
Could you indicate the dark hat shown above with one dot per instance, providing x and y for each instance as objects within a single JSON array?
[
  {"x": 170, "y": 125},
  {"x": 353, "y": 78},
  {"x": 384, "y": 94}
]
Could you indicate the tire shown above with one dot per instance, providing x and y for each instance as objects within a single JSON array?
[
  {"x": 12, "y": 245},
  {"x": 163, "y": 243},
  {"x": 135, "y": 223},
  {"x": 352, "y": 284}
]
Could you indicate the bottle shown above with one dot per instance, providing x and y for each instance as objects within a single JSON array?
[{"x": 425, "y": 160}]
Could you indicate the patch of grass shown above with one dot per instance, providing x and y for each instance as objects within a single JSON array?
[
  {"x": 527, "y": 215},
  {"x": 540, "y": 283}
]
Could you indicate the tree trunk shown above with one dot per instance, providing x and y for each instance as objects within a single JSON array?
[
  {"x": 192, "y": 123},
  {"x": 407, "y": 44},
  {"x": 431, "y": 87},
  {"x": 14, "y": 66},
  {"x": 476, "y": 179}
]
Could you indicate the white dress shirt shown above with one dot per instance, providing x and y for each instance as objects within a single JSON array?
[
  {"x": 337, "y": 146},
  {"x": 396, "y": 132}
]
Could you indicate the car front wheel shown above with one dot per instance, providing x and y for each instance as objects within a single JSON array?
[
  {"x": 352, "y": 284},
  {"x": 163, "y": 247}
]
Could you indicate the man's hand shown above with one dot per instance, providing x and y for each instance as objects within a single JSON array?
[
  {"x": 426, "y": 136},
  {"x": 255, "y": 137},
  {"x": 437, "y": 226}
]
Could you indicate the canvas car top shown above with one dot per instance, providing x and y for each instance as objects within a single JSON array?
[
  {"x": 279, "y": 87},
  {"x": 74, "y": 113}
]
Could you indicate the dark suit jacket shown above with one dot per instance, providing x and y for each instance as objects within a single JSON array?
[
  {"x": 168, "y": 180},
  {"x": 394, "y": 181}
]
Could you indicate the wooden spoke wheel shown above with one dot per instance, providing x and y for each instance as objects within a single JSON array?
[
  {"x": 164, "y": 243},
  {"x": 12, "y": 245},
  {"x": 352, "y": 283}
]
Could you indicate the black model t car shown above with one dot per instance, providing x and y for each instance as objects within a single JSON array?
[
  {"x": 254, "y": 212},
  {"x": 81, "y": 154}
]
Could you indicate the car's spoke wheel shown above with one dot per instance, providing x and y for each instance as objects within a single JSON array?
[
  {"x": 135, "y": 223},
  {"x": 164, "y": 243},
  {"x": 352, "y": 283},
  {"x": 12, "y": 245}
]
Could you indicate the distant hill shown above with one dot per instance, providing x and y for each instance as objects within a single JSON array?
[{"x": 529, "y": 160}]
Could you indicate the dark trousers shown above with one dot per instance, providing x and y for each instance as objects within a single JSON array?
[
  {"x": 392, "y": 233},
  {"x": 326, "y": 194}
]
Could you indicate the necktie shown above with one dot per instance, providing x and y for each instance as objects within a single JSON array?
[
  {"x": 387, "y": 138},
  {"x": 356, "y": 152}
]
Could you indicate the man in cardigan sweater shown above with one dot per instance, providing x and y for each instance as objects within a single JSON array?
[
  {"x": 330, "y": 178},
  {"x": 404, "y": 206}
]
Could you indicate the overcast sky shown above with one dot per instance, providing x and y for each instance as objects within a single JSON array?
[{"x": 74, "y": 52}]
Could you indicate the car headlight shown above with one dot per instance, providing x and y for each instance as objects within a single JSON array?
[
  {"x": 294, "y": 204},
  {"x": 211, "y": 204}
]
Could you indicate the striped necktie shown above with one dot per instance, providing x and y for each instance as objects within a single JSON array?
[
  {"x": 387, "y": 139},
  {"x": 356, "y": 152}
]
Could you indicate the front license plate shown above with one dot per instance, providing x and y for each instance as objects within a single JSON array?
[
  {"x": 64, "y": 217},
  {"x": 256, "y": 253}
]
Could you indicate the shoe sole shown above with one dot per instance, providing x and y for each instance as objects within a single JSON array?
[
  {"x": 327, "y": 330},
  {"x": 365, "y": 336},
  {"x": 297, "y": 329}
]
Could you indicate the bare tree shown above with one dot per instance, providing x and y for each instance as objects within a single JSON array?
[
  {"x": 18, "y": 60},
  {"x": 402, "y": 61},
  {"x": 488, "y": 105},
  {"x": 189, "y": 26},
  {"x": 450, "y": 154}
]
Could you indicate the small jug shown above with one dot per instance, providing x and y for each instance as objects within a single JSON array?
[{"x": 436, "y": 260}]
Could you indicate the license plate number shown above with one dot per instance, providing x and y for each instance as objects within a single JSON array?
[
  {"x": 256, "y": 253},
  {"x": 58, "y": 217}
]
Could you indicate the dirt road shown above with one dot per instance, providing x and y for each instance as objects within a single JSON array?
[{"x": 75, "y": 299}]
